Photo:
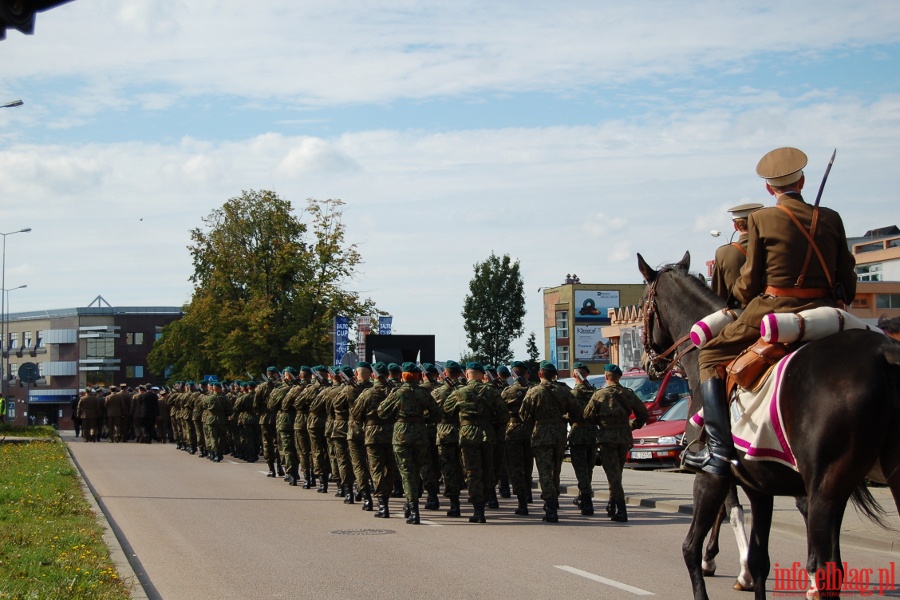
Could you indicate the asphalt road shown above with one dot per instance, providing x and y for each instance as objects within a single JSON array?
[{"x": 195, "y": 529}]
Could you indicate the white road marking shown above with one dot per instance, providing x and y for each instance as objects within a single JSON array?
[{"x": 611, "y": 582}]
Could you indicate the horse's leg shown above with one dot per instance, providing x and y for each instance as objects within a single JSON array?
[
  {"x": 744, "y": 581},
  {"x": 709, "y": 494},
  {"x": 761, "y": 507},
  {"x": 712, "y": 545},
  {"x": 824, "y": 532}
]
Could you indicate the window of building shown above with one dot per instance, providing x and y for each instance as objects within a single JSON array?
[
  {"x": 562, "y": 323},
  {"x": 13, "y": 371},
  {"x": 100, "y": 348},
  {"x": 40, "y": 370},
  {"x": 871, "y": 272},
  {"x": 871, "y": 247},
  {"x": 134, "y": 339},
  {"x": 134, "y": 372},
  {"x": 562, "y": 353},
  {"x": 13, "y": 339},
  {"x": 887, "y": 300},
  {"x": 26, "y": 337},
  {"x": 40, "y": 339}
]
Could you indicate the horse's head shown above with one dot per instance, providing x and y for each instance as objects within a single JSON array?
[{"x": 658, "y": 340}]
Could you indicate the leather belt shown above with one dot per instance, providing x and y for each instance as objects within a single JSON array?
[
  {"x": 797, "y": 292},
  {"x": 410, "y": 420}
]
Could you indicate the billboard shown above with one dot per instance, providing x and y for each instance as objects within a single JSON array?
[
  {"x": 385, "y": 325},
  {"x": 590, "y": 345},
  {"x": 341, "y": 338},
  {"x": 591, "y": 305}
]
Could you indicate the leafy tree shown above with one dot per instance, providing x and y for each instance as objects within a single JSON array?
[
  {"x": 267, "y": 286},
  {"x": 531, "y": 348},
  {"x": 494, "y": 310}
]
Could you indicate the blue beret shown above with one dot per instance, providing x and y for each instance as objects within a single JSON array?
[
  {"x": 614, "y": 369},
  {"x": 474, "y": 366}
]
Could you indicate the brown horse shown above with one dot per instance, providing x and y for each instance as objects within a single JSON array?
[{"x": 841, "y": 412}]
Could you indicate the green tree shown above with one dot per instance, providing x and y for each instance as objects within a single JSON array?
[
  {"x": 494, "y": 309},
  {"x": 267, "y": 286}
]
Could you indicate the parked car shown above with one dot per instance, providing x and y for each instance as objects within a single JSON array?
[
  {"x": 658, "y": 396},
  {"x": 660, "y": 444}
]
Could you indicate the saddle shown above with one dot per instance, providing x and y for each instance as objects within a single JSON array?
[{"x": 752, "y": 366}]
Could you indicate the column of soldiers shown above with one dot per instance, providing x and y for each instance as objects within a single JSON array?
[
  {"x": 121, "y": 414},
  {"x": 369, "y": 429}
]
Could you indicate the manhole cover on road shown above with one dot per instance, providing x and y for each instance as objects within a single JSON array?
[{"x": 363, "y": 531}]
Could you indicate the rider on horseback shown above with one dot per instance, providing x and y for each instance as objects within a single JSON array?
[{"x": 779, "y": 276}]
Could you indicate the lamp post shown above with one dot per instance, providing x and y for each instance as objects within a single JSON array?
[
  {"x": 3, "y": 313},
  {"x": 12, "y": 104}
]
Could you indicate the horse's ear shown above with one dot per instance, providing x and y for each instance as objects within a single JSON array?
[
  {"x": 685, "y": 263},
  {"x": 646, "y": 270}
]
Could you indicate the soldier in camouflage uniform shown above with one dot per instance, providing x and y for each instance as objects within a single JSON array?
[
  {"x": 315, "y": 402},
  {"x": 378, "y": 438},
  {"x": 199, "y": 405},
  {"x": 519, "y": 459},
  {"x": 284, "y": 424},
  {"x": 448, "y": 438},
  {"x": 610, "y": 407},
  {"x": 411, "y": 407},
  {"x": 582, "y": 440},
  {"x": 480, "y": 410},
  {"x": 429, "y": 384},
  {"x": 301, "y": 424},
  {"x": 356, "y": 436},
  {"x": 395, "y": 379},
  {"x": 247, "y": 422},
  {"x": 545, "y": 404},
  {"x": 267, "y": 418},
  {"x": 218, "y": 409},
  {"x": 338, "y": 409}
]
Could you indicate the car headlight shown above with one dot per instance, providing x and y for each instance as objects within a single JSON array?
[{"x": 667, "y": 440}]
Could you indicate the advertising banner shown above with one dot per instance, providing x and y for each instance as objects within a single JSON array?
[
  {"x": 553, "y": 345},
  {"x": 384, "y": 325},
  {"x": 341, "y": 338},
  {"x": 363, "y": 328},
  {"x": 590, "y": 345},
  {"x": 591, "y": 305}
]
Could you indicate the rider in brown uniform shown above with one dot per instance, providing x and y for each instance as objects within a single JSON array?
[
  {"x": 784, "y": 273},
  {"x": 731, "y": 257}
]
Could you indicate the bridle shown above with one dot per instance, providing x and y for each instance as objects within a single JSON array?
[{"x": 654, "y": 359}]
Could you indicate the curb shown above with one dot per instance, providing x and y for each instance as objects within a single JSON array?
[{"x": 110, "y": 536}]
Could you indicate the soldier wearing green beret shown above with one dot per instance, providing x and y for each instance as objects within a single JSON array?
[
  {"x": 199, "y": 405},
  {"x": 284, "y": 424},
  {"x": 356, "y": 436},
  {"x": 411, "y": 407},
  {"x": 218, "y": 409},
  {"x": 378, "y": 434},
  {"x": 448, "y": 438},
  {"x": 582, "y": 440},
  {"x": 338, "y": 409},
  {"x": 301, "y": 432},
  {"x": 429, "y": 384},
  {"x": 519, "y": 458},
  {"x": 246, "y": 423},
  {"x": 316, "y": 425}
]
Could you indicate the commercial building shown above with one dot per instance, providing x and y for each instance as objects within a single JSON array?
[{"x": 68, "y": 349}]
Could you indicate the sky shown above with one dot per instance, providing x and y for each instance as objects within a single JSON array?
[{"x": 569, "y": 135}]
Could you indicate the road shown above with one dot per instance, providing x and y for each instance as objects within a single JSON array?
[{"x": 197, "y": 529}]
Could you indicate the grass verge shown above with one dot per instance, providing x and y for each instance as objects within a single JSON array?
[
  {"x": 51, "y": 545},
  {"x": 38, "y": 431}
]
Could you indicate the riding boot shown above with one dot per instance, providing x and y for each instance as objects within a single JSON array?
[
  {"x": 413, "y": 518},
  {"x": 383, "y": 510},
  {"x": 432, "y": 503},
  {"x": 323, "y": 485},
  {"x": 621, "y": 515},
  {"x": 550, "y": 511},
  {"x": 478, "y": 516},
  {"x": 504, "y": 487},
  {"x": 587, "y": 505},
  {"x": 718, "y": 453},
  {"x": 271, "y": 472},
  {"x": 492, "y": 501},
  {"x": 307, "y": 480},
  {"x": 366, "y": 500},
  {"x": 349, "y": 498},
  {"x": 523, "y": 504},
  {"x": 454, "y": 507}
]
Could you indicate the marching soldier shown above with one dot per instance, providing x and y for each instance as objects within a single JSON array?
[
  {"x": 199, "y": 405},
  {"x": 267, "y": 418},
  {"x": 582, "y": 440},
  {"x": 356, "y": 437},
  {"x": 89, "y": 411},
  {"x": 519, "y": 458},
  {"x": 448, "y": 438},
  {"x": 301, "y": 431},
  {"x": 218, "y": 408},
  {"x": 284, "y": 424},
  {"x": 338, "y": 409},
  {"x": 115, "y": 410},
  {"x": 378, "y": 438},
  {"x": 316, "y": 425}
]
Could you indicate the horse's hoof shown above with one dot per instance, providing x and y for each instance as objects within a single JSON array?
[
  {"x": 708, "y": 567},
  {"x": 741, "y": 587},
  {"x": 709, "y": 572}
]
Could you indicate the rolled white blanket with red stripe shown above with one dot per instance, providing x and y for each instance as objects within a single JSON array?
[
  {"x": 709, "y": 327},
  {"x": 808, "y": 325}
]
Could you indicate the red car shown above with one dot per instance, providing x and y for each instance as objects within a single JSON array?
[
  {"x": 658, "y": 396},
  {"x": 660, "y": 444}
]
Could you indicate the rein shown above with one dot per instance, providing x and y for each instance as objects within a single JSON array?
[{"x": 654, "y": 357}]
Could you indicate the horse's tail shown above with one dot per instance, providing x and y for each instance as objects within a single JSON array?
[{"x": 864, "y": 502}]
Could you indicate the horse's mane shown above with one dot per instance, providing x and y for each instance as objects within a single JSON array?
[{"x": 697, "y": 280}]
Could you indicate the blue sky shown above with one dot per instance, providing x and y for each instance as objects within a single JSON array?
[{"x": 570, "y": 137}]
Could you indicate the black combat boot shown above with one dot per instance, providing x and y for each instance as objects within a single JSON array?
[
  {"x": 359, "y": 492},
  {"x": 478, "y": 513},
  {"x": 383, "y": 510},
  {"x": 413, "y": 518},
  {"x": 432, "y": 503},
  {"x": 293, "y": 476},
  {"x": 349, "y": 498},
  {"x": 407, "y": 509},
  {"x": 193, "y": 450},
  {"x": 550, "y": 511},
  {"x": 717, "y": 455},
  {"x": 454, "y": 507},
  {"x": 307, "y": 480},
  {"x": 323, "y": 484},
  {"x": 523, "y": 504},
  {"x": 621, "y": 515},
  {"x": 528, "y": 497},
  {"x": 340, "y": 493},
  {"x": 505, "y": 492},
  {"x": 280, "y": 468},
  {"x": 366, "y": 500},
  {"x": 492, "y": 501},
  {"x": 271, "y": 472},
  {"x": 577, "y": 500},
  {"x": 398, "y": 490},
  {"x": 587, "y": 505},
  {"x": 610, "y": 508}
]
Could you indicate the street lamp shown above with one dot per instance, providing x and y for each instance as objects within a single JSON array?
[
  {"x": 12, "y": 104},
  {"x": 4, "y": 386}
]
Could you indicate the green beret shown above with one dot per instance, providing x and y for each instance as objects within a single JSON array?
[
  {"x": 305, "y": 369},
  {"x": 490, "y": 369},
  {"x": 452, "y": 365},
  {"x": 363, "y": 365},
  {"x": 380, "y": 368},
  {"x": 503, "y": 371},
  {"x": 290, "y": 370},
  {"x": 517, "y": 364},
  {"x": 548, "y": 366},
  {"x": 348, "y": 370},
  {"x": 251, "y": 384},
  {"x": 270, "y": 369},
  {"x": 394, "y": 368},
  {"x": 474, "y": 366},
  {"x": 411, "y": 367},
  {"x": 614, "y": 369},
  {"x": 429, "y": 368},
  {"x": 215, "y": 383},
  {"x": 320, "y": 368},
  {"x": 579, "y": 365}
]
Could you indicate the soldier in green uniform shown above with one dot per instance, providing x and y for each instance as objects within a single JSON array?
[
  {"x": 199, "y": 405},
  {"x": 610, "y": 407},
  {"x": 356, "y": 437},
  {"x": 429, "y": 383},
  {"x": 731, "y": 257},
  {"x": 784, "y": 273},
  {"x": 545, "y": 404},
  {"x": 246, "y": 422},
  {"x": 395, "y": 380},
  {"x": 301, "y": 431},
  {"x": 448, "y": 438},
  {"x": 218, "y": 409},
  {"x": 519, "y": 458},
  {"x": 582, "y": 440},
  {"x": 267, "y": 418},
  {"x": 498, "y": 445},
  {"x": 480, "y": 411},
  {"x": 284, "y": 424},
  {"x": 411, "y": 407},
  {"x": 315, "y": 400},
  {"x": 378, "y": 438},
  {"x": 338, "y": 408}
]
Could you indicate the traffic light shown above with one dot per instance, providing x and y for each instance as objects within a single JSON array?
[{"x": 19, "y": 14}]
